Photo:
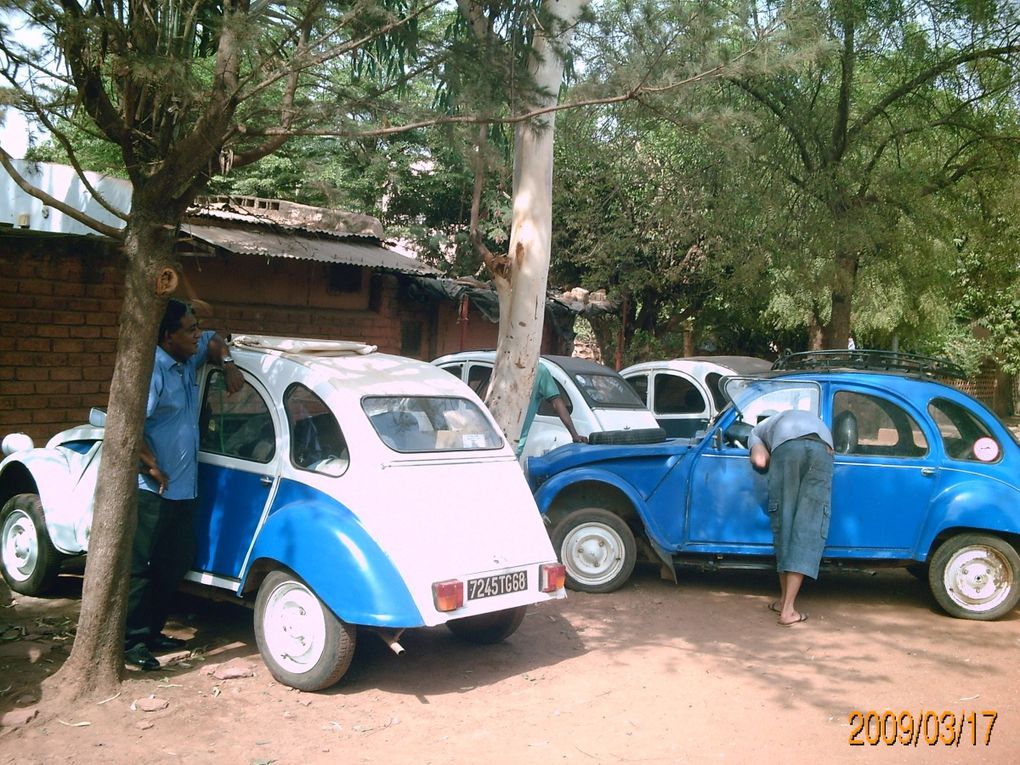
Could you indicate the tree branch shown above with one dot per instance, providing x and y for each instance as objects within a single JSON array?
[
  {"x": 56, "y": 204},
  {"x": 924, "y": 77}
]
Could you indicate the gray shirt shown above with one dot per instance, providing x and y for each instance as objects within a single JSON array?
[{"x": 787, "y": 426}]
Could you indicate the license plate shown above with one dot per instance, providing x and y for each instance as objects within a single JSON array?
[{"x": 497, "y": 584}]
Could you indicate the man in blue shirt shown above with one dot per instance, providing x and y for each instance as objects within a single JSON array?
[
  {"x": 796, "y": 448},
  {"x": 164, "y": 544}
]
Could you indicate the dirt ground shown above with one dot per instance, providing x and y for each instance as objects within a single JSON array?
[{"x": 654, "y": 673}]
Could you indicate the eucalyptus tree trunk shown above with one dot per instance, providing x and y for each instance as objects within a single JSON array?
[
  {"x": 521, "y": 286},
  {"x": 96, "y": 662}
]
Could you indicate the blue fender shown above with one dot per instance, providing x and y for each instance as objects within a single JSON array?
[
  {"x": 549, "y": 490},
  {"x": 325, "y": 544},
  {"x": 973, "y": 503}
]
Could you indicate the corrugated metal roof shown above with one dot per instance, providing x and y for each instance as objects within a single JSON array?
[
  {"x": 329, "y": 222},
  {"x": 298, "y": 246}
]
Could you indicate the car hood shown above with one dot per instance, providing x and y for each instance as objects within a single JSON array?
[{"x": 572, "y": 456}]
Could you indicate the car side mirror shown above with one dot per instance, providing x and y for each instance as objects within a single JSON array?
[{"x": 97, "y": 417}]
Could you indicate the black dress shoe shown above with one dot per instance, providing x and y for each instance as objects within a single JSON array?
[
  {"x": 164, "y": 643},
  {"x": 140, "y": 656}
]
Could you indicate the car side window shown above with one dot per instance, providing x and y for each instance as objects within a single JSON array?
[
  {"x": 964, "y": 436},
  {"x": 714, "y": 382},
  {"x": 478, "y": 379},
  {"x": 316, "y": 441},
  {"x": 238, "y": 425},
  {"x": 640, "y": 385},
  {"x": 870, "y": 425},
  {"x": 674, "y": 394}
]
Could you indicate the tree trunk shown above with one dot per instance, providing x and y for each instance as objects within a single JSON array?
[
  {"x": 836, "y": 333},
  {"x": 522, "y": 295},
  {"x": 95, "y": 665}
]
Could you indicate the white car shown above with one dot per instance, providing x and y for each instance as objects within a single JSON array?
[
  {"x": 683, "y": 394},
  {"x": 325, "y": 498},
  {"x": 602, "y": 406}
]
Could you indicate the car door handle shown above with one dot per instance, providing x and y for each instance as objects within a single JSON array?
[
  {"x": 927, "y": 471},
  {"x": 267, "y": 480}
]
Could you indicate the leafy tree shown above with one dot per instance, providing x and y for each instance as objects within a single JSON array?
[
  {"x": 183, "y": 91},
  {"x": 860, "y": 145}
]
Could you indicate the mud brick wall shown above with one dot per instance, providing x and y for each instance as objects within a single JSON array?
[{"x": 60, "y": 301}]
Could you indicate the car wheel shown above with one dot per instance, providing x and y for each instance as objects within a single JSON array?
[
  {"x": 974, "y": 576},
  {"x": 30, "y": 562},
  {"x": 597, "y": 548},
  {"x": 488, "y": 628},
  {"x": 304, "y": 645},
  {"x": 625, "y": 437}
]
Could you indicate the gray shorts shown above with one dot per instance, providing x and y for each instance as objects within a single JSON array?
[{"x": 800, "y": 502}]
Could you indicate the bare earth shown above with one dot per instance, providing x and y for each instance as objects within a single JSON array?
[{"x": 655, "y": 673}]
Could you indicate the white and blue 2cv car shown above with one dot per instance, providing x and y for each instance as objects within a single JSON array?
[{"x": 339, "y": 489}]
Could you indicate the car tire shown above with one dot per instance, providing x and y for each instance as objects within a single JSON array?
[
  {"x": 974, "y": 576},
  {"x": 302, "y": 643},
  {"x": 628, "y": 437},
  {"x": 30, "y": 563},
  {"x": 485, "y": 629},
  {"x": 597, "y": 548},
  {"x": 919, "y": 570}
]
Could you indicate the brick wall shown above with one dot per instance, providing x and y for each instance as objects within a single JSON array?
[
  {"x": 992, "y": 387},
  {"x": 60, "y": 300}
]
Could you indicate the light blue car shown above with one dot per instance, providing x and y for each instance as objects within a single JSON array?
[{"x": 925, "y": 477}]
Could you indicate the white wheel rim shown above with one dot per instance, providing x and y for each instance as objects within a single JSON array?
[
  {"x": 978, "y": 578},
  {"x": 20, "y": 546},
  {"x": 593, "y": 553},
  {"x": 294, "y": 627}
]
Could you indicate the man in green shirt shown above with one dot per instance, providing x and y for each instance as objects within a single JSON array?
[{"x": 545, "y": 389}]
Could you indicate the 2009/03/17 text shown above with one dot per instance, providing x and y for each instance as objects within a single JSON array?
[{"x": 927, "y": 728}]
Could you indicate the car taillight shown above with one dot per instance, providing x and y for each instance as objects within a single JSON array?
[
  {"x": 448, "y": 595},
  {"x": 552, "y": 576}
]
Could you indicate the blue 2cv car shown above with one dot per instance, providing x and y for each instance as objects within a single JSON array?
[
  {"x": 324, "y": 501},
  {"x": 925, "y": 477}
]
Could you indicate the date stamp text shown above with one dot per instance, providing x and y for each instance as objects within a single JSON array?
[{"x": 928, "y": 727}]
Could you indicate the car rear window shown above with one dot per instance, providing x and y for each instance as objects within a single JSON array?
[
  {"x": 430, "y": 423},
  {"x": 608, "y": 390}
]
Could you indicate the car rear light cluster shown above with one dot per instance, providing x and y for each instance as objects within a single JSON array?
[
  {"x": 448, "y": 595},
  {"x": 552, "y": 577}
]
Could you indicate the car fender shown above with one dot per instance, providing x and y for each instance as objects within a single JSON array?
[
  {"x": 56, "y": 474},
  {"x": 551, "y": 489},
  {"x": 972, "y": 503},
  {"x": 324, "y": 543}
]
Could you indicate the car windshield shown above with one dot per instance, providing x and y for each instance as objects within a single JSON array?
[
  {"x": 757, "y": 399},
  {"x": 430, "y": 423},
  {"x": 608, "y": 390}
]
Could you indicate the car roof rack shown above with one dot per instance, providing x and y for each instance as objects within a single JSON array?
[
  {"x": 303, "y": 346},
  {"x": 872, "y": 360}
]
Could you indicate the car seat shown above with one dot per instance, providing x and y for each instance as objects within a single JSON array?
[
  {"x": 402, "y": 432},
  {"x": 845, "y": 433}
]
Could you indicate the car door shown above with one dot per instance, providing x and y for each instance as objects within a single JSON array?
[
  {"x": 884, "y": 475},
  {"x": 238, "y": 470},
  {"x": 727, "y": 498},
  {"x": 679, "y": 403}
]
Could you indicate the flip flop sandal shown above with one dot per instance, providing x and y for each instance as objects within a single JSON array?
[
  {"x": 774, "y": 607},
  {"x": 803, "y": 618}
]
